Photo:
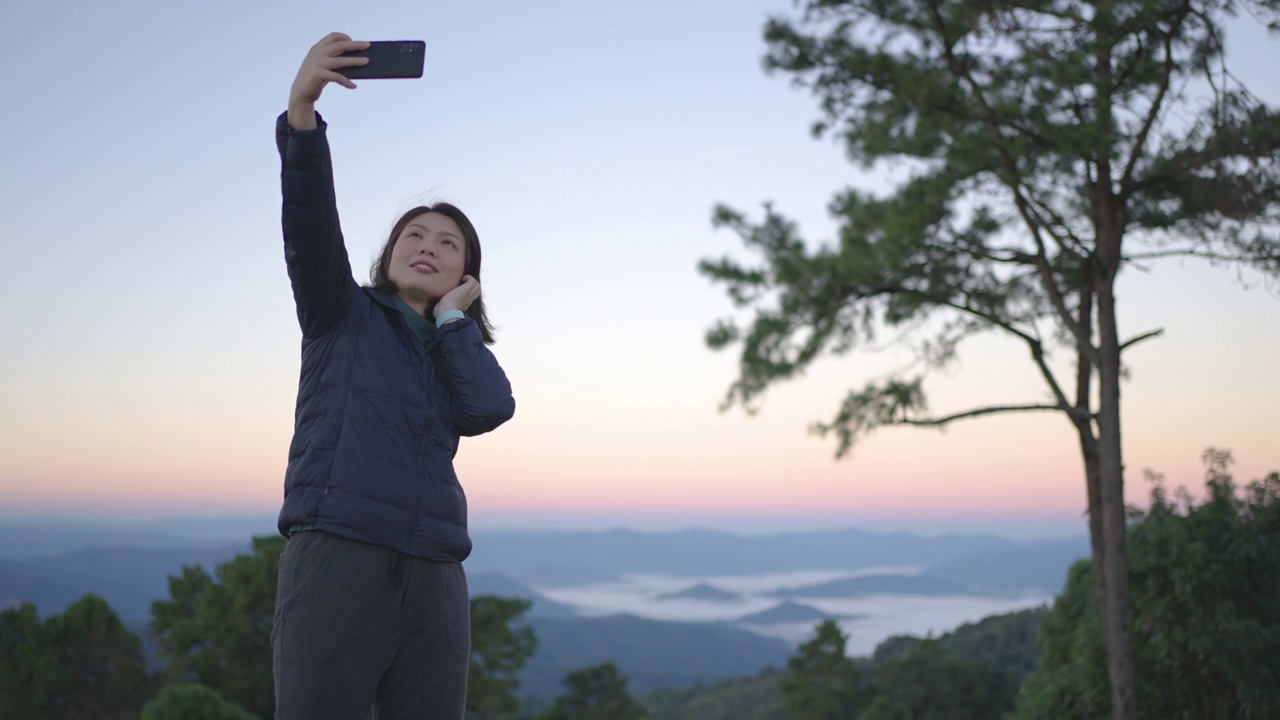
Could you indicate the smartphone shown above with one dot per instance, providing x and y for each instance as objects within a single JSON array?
[{"x": 388, "y": 59}]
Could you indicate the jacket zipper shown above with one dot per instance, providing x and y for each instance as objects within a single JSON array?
[{"x": 422, "y": 445}]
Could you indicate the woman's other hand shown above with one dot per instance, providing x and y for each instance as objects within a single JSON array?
[{"x": 459, "y": 298}]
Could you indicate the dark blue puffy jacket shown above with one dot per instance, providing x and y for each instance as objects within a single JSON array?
[{"x": 379, "y": 414}]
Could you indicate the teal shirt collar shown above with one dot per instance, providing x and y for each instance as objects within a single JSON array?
[{"x": 422, "y": 327}]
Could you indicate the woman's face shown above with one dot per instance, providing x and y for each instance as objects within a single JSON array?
[{"x": 428, "y": 259}]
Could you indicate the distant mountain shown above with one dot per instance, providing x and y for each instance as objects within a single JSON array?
[
  {"x": 1040, "y": 565},
  {"x": 25, "y": 539},
  {"x": 18, "y": 584},
  {"x": 550, "y": 558},
  {"x": 875, "y": 585},
  {"x": 521, "y": 554},
  {"x": 788, "y": 612},
  {"x": 1019, "y": 568},
  {"x": 701, "y": 591},
  {"x": 24, "y": 543},
  {"x": 503, "y": 586},
  {"x": 129, "y": 579},
  {"x": 649, "y": 652},
  {"x": 553, "y": 575}
]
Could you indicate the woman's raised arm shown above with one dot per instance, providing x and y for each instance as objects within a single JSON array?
[{"x": 315, "y": 255}]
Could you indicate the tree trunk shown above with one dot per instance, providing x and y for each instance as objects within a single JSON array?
[
  {"x": 1117, "y": 616},
  {"x": 1083, "y": 422},
  {"x": 1097, "y": 541},
  {"x": 1109, "y": 223}
]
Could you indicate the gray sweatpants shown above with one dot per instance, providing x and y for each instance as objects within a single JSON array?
[{"x": 359, "y": 626}]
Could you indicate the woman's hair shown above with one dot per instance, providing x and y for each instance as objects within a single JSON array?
[{"x": 378, "y": 273}]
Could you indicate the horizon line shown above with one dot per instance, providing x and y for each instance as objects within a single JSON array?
[{"x": 1033, "y": 527}]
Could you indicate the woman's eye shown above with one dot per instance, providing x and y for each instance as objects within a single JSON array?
[{"x": 449, "y": 243}]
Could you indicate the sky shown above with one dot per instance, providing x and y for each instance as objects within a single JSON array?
[{"x": 150, "y": 356}]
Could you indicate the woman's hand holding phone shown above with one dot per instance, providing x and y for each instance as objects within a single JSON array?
[{"x": 319, "y": 68}]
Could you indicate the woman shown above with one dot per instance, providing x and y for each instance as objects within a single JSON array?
[{"x": 372, "y": 606}]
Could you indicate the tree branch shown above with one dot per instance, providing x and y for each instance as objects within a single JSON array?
[
  {"x": 1015, "y": 185},
  {"x": 1083, "y": 341},
  {"x": 1003, "y": 255},
  {"x": 1033, "y": 343},
  {"x": 1080, "y": 250},
  {"x": 978, "y": 412},
  {"x": 1144, "y": 336},
  {"x": 1188, "y": 252},
  {"x": 1135, "y": 152}
]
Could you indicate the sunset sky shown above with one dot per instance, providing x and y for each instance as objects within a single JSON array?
[{"x": 150, "y": 352}]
